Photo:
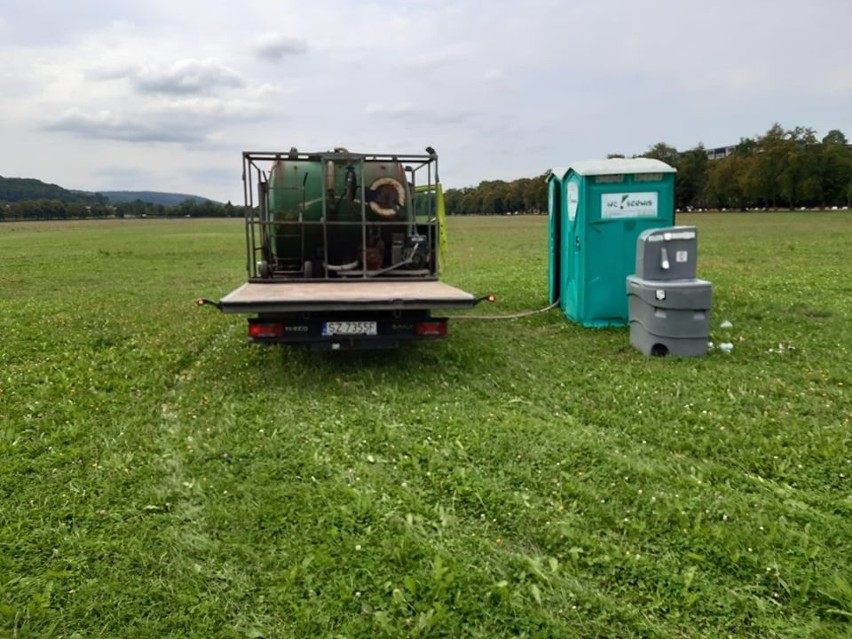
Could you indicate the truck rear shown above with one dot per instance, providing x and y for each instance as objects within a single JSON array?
[{"x": 343, "y": 250}]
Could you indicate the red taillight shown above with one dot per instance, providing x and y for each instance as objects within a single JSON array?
[
  {"x": 431, "y": 328},
  {"x": 266, "y": 330}
]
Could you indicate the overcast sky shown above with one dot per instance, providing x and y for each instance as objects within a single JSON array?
[{"x": 165, "y": 94}]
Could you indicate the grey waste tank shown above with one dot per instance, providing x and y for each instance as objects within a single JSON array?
[
  {"x": 669, "y": 317},
  {"x": 668, "y": 308}
]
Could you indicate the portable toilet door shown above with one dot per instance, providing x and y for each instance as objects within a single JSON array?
[
  {"x": 562, "y": 200},
  {"x": 574, "y": 217},
  {"x": 562, "y": 208},
  {"x": 606, "y": 205},
  {"x": 554, "y": 246}
]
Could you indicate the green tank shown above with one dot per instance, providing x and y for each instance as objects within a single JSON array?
[{"x": 301, "y": 191}]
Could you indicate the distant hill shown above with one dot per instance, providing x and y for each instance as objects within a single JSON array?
[
  {"x": 24, "y": 189},
  {"x": 154, "y": 197}
]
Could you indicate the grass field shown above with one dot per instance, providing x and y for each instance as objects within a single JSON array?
[{"x": 160, "y": 477}]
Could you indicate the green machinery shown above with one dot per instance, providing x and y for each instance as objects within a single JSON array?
[{"x": 338, "y": 215}]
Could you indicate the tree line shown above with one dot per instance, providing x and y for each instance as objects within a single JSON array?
[
  {"x": 49, "y": 209},
  {"x": 496, "y": 197},
  {"x": 779, "y": 169}
]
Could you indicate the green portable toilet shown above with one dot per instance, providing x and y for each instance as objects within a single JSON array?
[{"x": 597, "y": 209}]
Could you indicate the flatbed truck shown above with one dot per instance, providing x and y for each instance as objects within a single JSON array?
[{"x": 343, "y": 250}]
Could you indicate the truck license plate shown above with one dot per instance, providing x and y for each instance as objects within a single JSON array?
[{"x": 349, "y": 328}]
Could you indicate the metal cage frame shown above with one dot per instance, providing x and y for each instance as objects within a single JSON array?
[{"x": 262, "y": 265}]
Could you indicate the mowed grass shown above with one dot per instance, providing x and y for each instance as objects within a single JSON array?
[{"x": 160, "y": 477}]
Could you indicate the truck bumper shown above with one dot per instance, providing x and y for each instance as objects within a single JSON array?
[{"x": 346, "y": 330}]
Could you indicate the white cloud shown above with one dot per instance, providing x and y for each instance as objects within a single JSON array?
[
  {"x": 184, "y": 120},
  {"x": 274, "y": 47},
  {"x": 186, "y": 76},
  {"x": 107, "y": 125}
]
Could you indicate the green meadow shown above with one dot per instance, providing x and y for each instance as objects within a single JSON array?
[{"x": 161, "y": 477}]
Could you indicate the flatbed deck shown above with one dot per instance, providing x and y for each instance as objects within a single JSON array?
[{"x": 287, "y": 297}]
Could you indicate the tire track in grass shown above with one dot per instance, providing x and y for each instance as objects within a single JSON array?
[{"x": 197, "y": 571}]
